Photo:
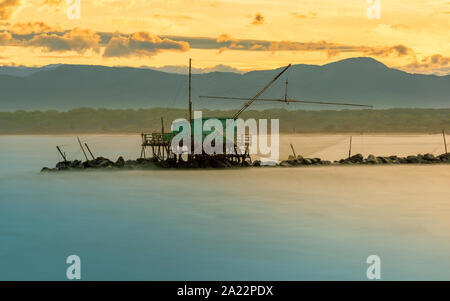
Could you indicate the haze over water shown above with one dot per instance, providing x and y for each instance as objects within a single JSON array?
[{"x": 247, "y": 224}]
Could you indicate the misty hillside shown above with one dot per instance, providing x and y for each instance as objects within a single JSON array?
[{"x": 358, "y": 80}]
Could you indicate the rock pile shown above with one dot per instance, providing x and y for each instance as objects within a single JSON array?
[
  {"x": 104, "y": 163},
  {"x": 302, "y": 161},
  {"x": 220, "y": 162},
  {"x": 371, "y": 159}
]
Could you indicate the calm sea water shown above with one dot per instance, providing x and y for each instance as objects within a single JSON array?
[{"x": 318, "y": 223}]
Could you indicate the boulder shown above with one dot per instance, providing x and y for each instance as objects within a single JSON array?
[
  {"x": 358, "y": 158},
  {"x": 63, "y": 164},
  {"x": 89, "y": 164},
  {"x": 444, "y": 157},
  {"x": 394, "y": 159},
  {"x": 140, "y": 161},
  {"x": 307, "y": 161},
  {"x": 420, "y": 158},
  {"x": 294, "y": 162},
  {"x": 120, "y": 162},
  {"x": 76, "y": 164},
  {"x": 130, "y": 163},
  {"x": 105, "y": 163},
  {"x": 285, "y": 164},
  {"x": 315, "y": 161},
  {"x": 371, "y": 159},
  {"x": 384, "y": 160},
  {"x": 429, "y": 157},
  {"x": 402, "y": 160},
  {"x": 257, "y": 163},
  {"x": 412, "y": 159}
]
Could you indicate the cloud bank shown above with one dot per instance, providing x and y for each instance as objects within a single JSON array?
[
  {"x": 41, "y": 36},
  {"x": 141, "y": 44}
]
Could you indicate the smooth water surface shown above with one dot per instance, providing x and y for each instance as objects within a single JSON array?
[{"x": 313, "y": 223}]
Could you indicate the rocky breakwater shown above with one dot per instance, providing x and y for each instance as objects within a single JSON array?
[
  {"x": 370, "y": 160},
  {"x": 218, "y": 162},
  {"x": 102, "y": 163}
]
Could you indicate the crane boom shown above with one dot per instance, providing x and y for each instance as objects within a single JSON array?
[
  {"x": 259, "y": 93},
  {"x": 288, "y": 100}
]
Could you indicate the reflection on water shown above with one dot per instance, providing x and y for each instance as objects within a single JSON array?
[{"x": 272, "y": 223}]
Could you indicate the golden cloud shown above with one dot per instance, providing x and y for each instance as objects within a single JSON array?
[
  {"x": 398, "y": 50},
  {"x": 258, "y": 19},
  {"x": 224, "y": 38},
  {"x": 30, "y": 28},
  {"x": 40, "y": 35},
  {"x": 141, "y": 44},
  {"x": 225, "y": 42},
  {"x": 434, "y": 61},
  {"x": 5, "y": 38},
  {"x": 7, "y": 8},
  {"x": 79, "y": 40}
]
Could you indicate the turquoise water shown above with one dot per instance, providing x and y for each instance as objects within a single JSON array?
[{"x": 316, "y": 223}]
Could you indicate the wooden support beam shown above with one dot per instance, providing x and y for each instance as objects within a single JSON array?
[
  {"x": 350, "y": 148},
  {"x": 293, "y": 151},
  {"x": 89, "y": 150},
  {"x": 78, "y": 138},
  {"x": 445, "y": 142},
  {"x": 61, "y": 153}
]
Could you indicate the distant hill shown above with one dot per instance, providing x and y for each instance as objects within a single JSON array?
[
  {"x": 23, "y": 71},
  {"x": 359, "y": 80}
]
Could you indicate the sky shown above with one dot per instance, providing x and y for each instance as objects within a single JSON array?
[{"x": 226, "y": 35}]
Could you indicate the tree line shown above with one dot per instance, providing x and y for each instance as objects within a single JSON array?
[{"x": 90, "y": 120}]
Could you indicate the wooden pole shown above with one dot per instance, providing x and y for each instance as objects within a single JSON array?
[
  {"x": 445, "y": 142},
  {"x": 350, "y": 148},
  {"x": 143, "y": 145},
  {"x": 163, "y": 141},
  {"x": 286, "y": 91},
  {"x": 293, "y": 151},
  {"x": 190, "y": 91},
  {"x": 82, "y": 149},
  {"x": 190, "y": 108},
  {"x": 62, "y": 155},
  {"x": 89, "y": 150}
]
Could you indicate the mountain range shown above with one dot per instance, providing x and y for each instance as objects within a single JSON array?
[{"x": 357, "y": 80}]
